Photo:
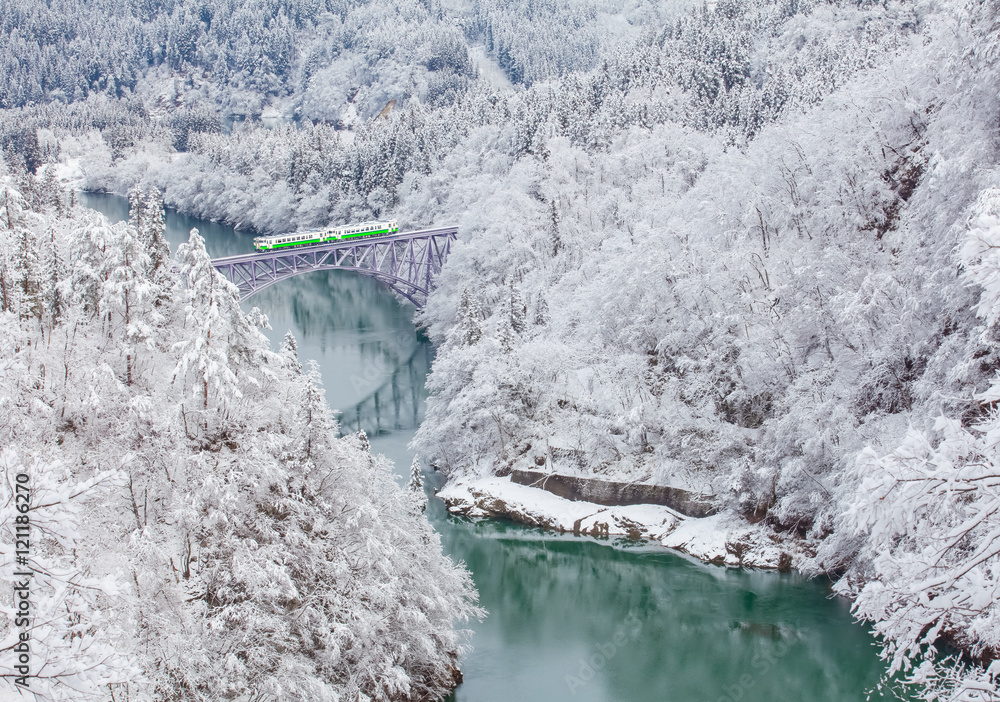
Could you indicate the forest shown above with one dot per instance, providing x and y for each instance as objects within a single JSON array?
[
  {"x": 198, "y": 530},
  {"x": 746, "y": 248}
]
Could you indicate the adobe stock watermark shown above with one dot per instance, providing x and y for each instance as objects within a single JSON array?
[
  {"x": 22, "y": 584},
  {"x": 605, "y": 652},
  {"x": 762, "y": 662}
]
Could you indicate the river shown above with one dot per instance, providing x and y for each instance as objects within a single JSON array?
[{"x": 571, "y": 618}]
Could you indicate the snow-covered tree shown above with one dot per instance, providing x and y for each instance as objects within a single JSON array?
[
  {"x": 416, "y": 480},
  {"x": 12, "y": 213},
  {"x": 128, "y": 293},
  {"x": 212, "y": 308},
  {"x": 67, "y": 632},
  {"x": 518, "y": 312},
  {"x": 928, "y": 514},
  {"x": 415, "y": 484},
  {"x": 469, "y": 319},
  {"x": 186, "y": 552}
]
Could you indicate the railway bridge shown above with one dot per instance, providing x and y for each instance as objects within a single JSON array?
[{"x": 406, "y": 262}]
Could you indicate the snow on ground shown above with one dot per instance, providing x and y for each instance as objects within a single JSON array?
[
  {"x": 70, "y": 174},
  {"x": 489, "y": 69},
  {"x": 719, "y": 539}
]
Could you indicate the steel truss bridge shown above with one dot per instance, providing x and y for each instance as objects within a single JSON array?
[{"x": 406, "y": 262}]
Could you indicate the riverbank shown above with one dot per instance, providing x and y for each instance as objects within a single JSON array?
[{"x": 719, "y": 539}]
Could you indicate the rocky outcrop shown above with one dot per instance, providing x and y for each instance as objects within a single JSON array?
[
  {"x": 615, "y": 494},
  {"x": 500, "y": 498},
  {"x": 721, "y": 539}
]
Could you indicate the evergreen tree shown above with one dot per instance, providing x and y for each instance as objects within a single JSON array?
[
  {"x": 90, "y": 263},
  {"x": 12, "y": 208},
  {"x": 28, "y": 277},
  {"x": 147, "y": 217},
  {"x": 415, "y": 484},
  {"x": 416, "y": 481},
  {"x": 541, "y": 310},
  {"x": 211, "y": 304},
  {"x": 469, "y": 316},
  {"x": 51, "y": 192},
  {"x": 54, "y": 301},
  {"x": 366, "y": 447},
  {"x": 518, "y": 312},
  {"x": 508, "y": 339},
  {"x": 128, "y": 293},
  {"x": 290, "y": 350}
]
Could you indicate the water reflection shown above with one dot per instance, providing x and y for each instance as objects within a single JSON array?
[
  {"x": 585, "y": 621},
  {"x": 398, "y": 405},
  {"x": 357, "y": 332}
]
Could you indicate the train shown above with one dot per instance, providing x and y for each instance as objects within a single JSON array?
[{"x": 323, "y": 236}]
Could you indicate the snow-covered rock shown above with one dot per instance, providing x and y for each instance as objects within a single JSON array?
[{"x": 719, "y": 539}]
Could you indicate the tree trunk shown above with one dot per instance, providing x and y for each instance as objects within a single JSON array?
[{"x": 5, "y": 289}]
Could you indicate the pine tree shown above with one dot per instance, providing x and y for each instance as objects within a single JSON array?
[
  {"x": 469, "y": 314},
  {"x": 366, "y": 446},
  {"x": 518, "y": 311},
  {"x": 28, "y": 277},
  {"x": 54, "y": 301},
  {"x": 541, "y": 310},
  {"x": 90, "y": 263},
  {"x": 290, "y": 350},
  {"x": 316, "y": 422},
  {"x": 51, "y": 192},
  {"x": 210, "y": 302},
  {"x": 415, "y": 484},
  {"x": 6, "y": 291},
  {"x": 127, "y": 294},
  {"x": 506, "y": 334},
  {"x": 12, "y": 207},
  {"x": 136, "y": 213},
  {"x": 146, "y": 215},
  {"x": 416, "y": 481}
]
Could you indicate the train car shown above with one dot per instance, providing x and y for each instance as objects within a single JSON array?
[{"x": 324, "y": 236}]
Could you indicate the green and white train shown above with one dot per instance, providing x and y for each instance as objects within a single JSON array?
[{"x": 323, "y": 236}]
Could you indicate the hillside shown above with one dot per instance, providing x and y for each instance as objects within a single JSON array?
[{"x": 196, "y": 529}]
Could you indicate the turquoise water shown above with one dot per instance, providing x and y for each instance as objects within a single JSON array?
[{"x": 570, "y": 618}]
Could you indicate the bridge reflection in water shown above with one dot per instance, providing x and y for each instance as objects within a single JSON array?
[{"x": 398, "y": 404}]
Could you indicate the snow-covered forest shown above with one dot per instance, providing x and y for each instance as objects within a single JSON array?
[
  {"x": 199, "y": 532},
  {"x": 746, "y": 248}
]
